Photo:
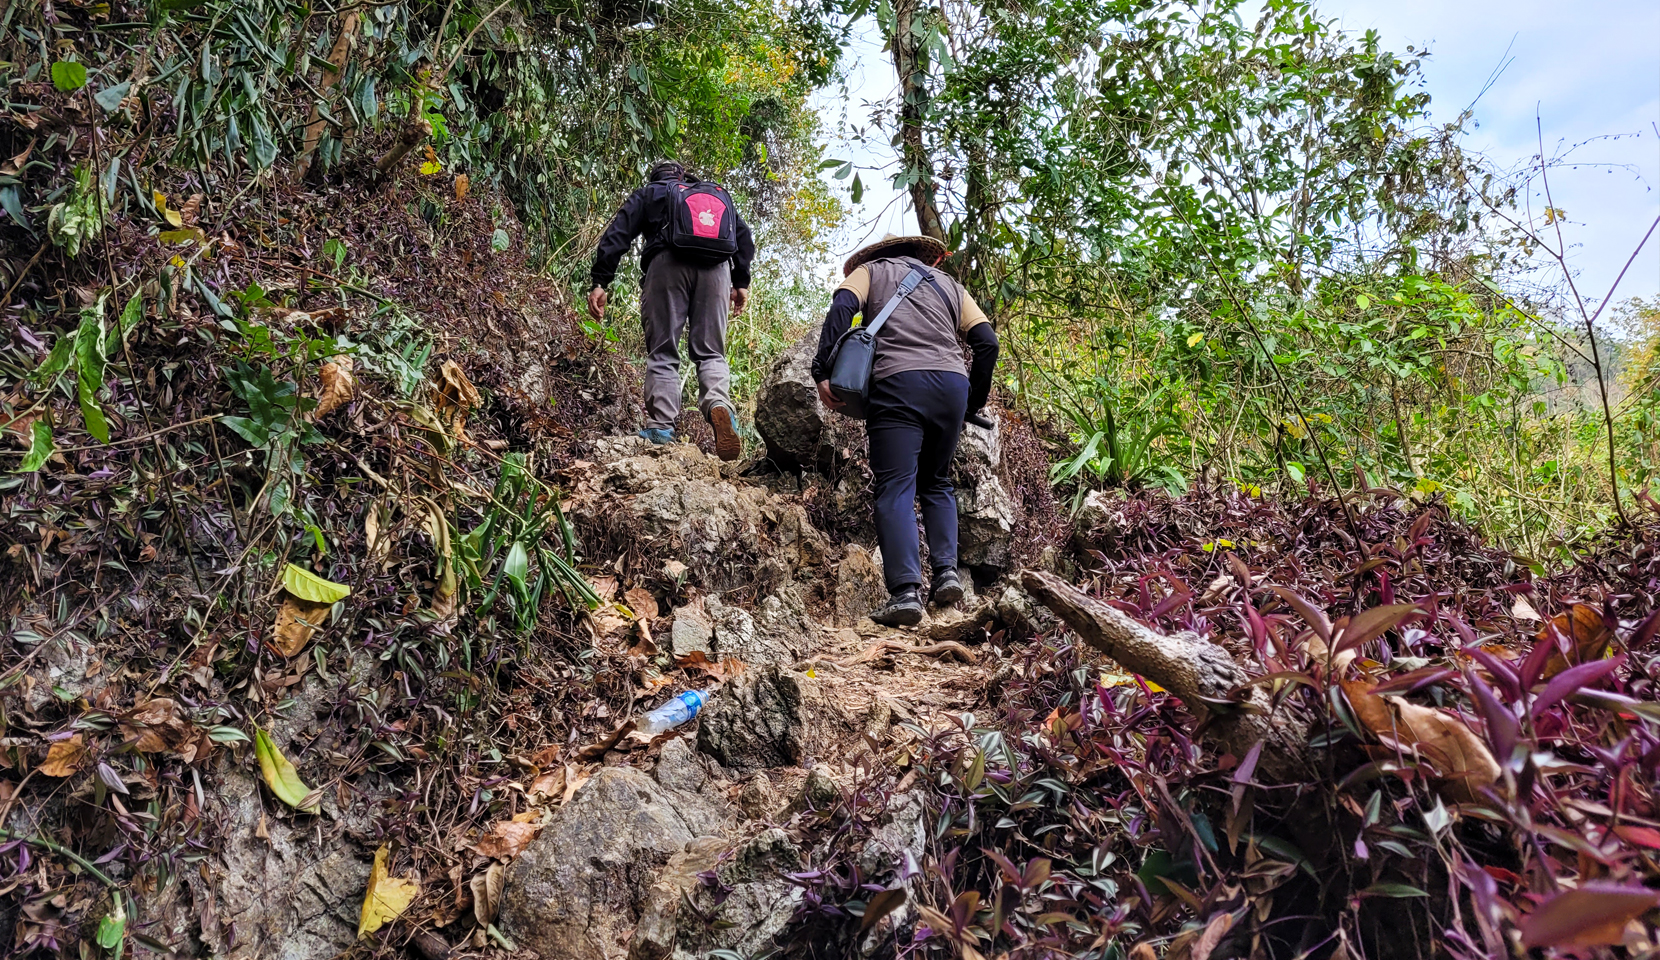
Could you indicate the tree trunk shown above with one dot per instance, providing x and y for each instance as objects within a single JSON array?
[
  {"x": 1201, "y": 673},
  {"x": 314, "y": 124},
  {"x": 909, "y": 29}
]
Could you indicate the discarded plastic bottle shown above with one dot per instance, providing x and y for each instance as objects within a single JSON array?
[{"x": 672, "y": 714}]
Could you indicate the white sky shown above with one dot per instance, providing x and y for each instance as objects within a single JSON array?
[{"x": 1589, "y": 72}]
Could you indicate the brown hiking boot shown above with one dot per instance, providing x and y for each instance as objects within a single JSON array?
[{"x": 728, "y": 445}]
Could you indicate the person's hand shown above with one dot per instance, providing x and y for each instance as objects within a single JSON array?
[
  {"x": 740, "y": 299},
  {"x": 829, "y": 399},
  {"x": 597, "y": 299}
]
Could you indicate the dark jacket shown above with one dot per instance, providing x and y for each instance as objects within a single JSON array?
[{"x": 646, "y": 211}]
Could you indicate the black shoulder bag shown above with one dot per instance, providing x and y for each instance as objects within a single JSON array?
[{"x": 854, "y": 358}]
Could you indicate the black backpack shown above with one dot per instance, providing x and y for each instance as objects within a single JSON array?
[{"x": 703, "y": 222}]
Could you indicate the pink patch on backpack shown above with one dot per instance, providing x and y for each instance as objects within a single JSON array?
[{"x": 707, "y": 212}]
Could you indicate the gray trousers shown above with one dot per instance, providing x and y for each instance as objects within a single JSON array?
[{"x": 677, "y": 297}]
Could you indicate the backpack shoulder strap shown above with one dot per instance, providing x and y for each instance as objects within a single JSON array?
[{"x": 911, "y": 282}]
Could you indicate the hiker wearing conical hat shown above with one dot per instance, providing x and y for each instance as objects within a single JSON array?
[
  {"x": 695, "y": 264},
  {"x": 918, "y": 395}
]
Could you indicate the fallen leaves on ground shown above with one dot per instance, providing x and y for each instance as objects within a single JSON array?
[
  {"x": 1585, "y": 632},
  {"x": 1455, "y": 752},
  {"x": 1594, "y": 915},
  {"x": 486, "y": 890},
  {"x": 507, "y": 839},
  {"x": 64, "y": 757},
  {"x": 339, "y": 387},
  {"x": 641, "y": 603},
  {"x": 305, "y": 604},
  {"x": 156, "y": 726},
  {"x": 721, "y": 671},
  {"x": 281, "y": 776},
  {"x": 387, "y": 895},
  {"x": 297, "y": 622},
  {"x": 456, "y": 398}
]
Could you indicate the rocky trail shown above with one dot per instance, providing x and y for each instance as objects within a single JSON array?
[{"x": 684, "y": 847}]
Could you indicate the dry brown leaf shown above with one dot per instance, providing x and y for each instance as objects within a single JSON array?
[
  {"x": 722, "y": 671},
  {"x": 456, "y": 398},
  {"x": 297, "y": 620},
  {"x": 462, "y": 183},
  {"x": 574, "y": 780},
  {"x": 486, "y": 890},
  {"x": 646, "y": 646},
  {"x": 190, "y": 209},
  {"x": 64, "y": 757},
  {"x": 550, "y": 784},
  {"x": 1522, "y": 610},
  {"x": 506, "y": 840},
  {"x": 1586, "y": 633},
  {"x": 14, "y": 166},
  {"x": 604, "y": 587},
  {"x": 375, "y": 521},
  {"x": 339, "y": 386},
  {"x": 642, "y": 603},
  {"x": 1455, "y": 752},
  {"x": 157, "y": 727}
]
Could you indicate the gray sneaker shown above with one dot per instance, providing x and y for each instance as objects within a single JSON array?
[
  {"x": 947, "y": 587},
  {"x": 903, "y": 609}
]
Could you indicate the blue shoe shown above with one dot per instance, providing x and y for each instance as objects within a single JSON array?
[{"x": 658, "y": 436}]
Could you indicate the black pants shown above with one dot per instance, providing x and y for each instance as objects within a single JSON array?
[{"x": 913, "y": 420}]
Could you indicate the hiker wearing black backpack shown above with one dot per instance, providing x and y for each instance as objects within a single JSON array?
[
  {"x": 902, "y": 371},
  {"x": 695, "y": 264}
]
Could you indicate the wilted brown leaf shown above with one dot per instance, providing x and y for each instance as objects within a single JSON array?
[
  {"x": 64, "y": 757},
  {"x": 297, "y": 620},
  {"x": 486, "y": 890},
  {"x": 462, "y": 183},
  {"x": 339, "y": 386},
  {"x": 156, "y": 727},
  {"x": 642, "y": 603},
  {"x": 1587, "y": 636},
  {"x": 1455, "y": 752},
  {"x": 506, "y": 839},
  {"x": 722, "y": 671},
  {"x": 456, "y": 398},
  {"x": 550, "y": 784}
]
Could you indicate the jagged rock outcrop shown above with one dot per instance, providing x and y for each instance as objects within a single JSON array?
[
  {"x": 771, "y": 717},
  {"x": 674, "y": 500},
  {"x": 577, "y": 890},
  {"x": 859, "y": 586},
  {"x": 750, "y": 905},
  {"x": 788, "y": 414}
]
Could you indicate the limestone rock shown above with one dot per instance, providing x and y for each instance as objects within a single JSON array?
[
  {"x": 657, "y": 930},
  {"x": 690, "y": 631},
  {"x": 576, "y": 891},
  {"x": 985, "y": 524},
  {"x": 678, "y": 766},
  {"x": 772, "y": 717},
  {"x": 287, "y": 902},
  {"x": 674, "y": 500},
  {"x": 745, "y": 912},
  {"x": 788, "y": 413},
  {"x": 758, "y": 799},
  {"x": 859, "y": 586},
  {"x": 820, "y": 788}
]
